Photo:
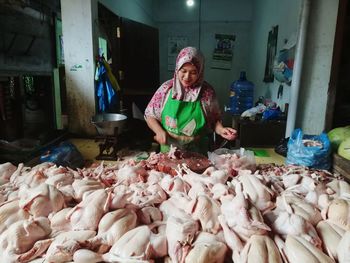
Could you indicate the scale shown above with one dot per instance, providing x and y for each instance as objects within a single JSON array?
[
  {"x": 109, "y": 126},
  {"x": 108, "y": 148}
]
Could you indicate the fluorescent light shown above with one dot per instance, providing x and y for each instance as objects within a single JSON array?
[{"x": 189, "y": 2}]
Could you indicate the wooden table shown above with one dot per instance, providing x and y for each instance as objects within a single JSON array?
[
  {"x": 341, "y": 166},
  {"x": 89, "y": 149},
  {"x": 267, "y": 155}
]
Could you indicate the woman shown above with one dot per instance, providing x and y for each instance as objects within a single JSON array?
[{"x": 184, "y": 109}]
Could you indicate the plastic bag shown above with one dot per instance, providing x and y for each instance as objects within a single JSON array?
[
  {"x": 260, "y": 108},
  {"x": 66, "y": 154},
  {"x": 309, "y": 150},
  {"x": 239, "y": 159},
  {"x": 271, "y": 114},
  {"x": 282, "y": 147},
  {"x": 106, "y": 88}
]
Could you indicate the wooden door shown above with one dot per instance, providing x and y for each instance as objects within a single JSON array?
[
  {"x": 338, "y": 104},
  {"x": 140, "y": 57},
  {"x": 134, "y": 49},
  {"x": 109, "y": 24}
]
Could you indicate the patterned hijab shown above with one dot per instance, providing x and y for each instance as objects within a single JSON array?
[{"x": 196, "y": 58}]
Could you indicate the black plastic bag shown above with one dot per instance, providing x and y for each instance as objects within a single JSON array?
[{"x": 282, "y": 147}]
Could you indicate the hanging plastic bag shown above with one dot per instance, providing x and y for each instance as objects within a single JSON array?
[
  {"x": 107, "y": 87},
  {"x": 309, "y": 150}
]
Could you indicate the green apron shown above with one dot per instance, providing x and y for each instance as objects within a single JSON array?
[{"x": 184, "y": 118}]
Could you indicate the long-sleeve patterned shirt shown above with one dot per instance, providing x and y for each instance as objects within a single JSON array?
[{"x": 207, "y": 98}]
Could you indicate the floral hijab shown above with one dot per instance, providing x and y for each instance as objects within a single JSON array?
[{"x": 195, "y": 57}]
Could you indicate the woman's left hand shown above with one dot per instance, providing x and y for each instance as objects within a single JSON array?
[{"x": 228, "y": 133}]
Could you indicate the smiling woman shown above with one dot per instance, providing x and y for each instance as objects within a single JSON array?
[
  {"x": 188, "y": 75},
  {"x": 184, "y": 110}
]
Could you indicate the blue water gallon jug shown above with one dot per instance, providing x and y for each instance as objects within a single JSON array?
[{"x": 241, "y": 95}]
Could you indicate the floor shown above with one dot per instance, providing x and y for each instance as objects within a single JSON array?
[{"x": 89, "y": 149}]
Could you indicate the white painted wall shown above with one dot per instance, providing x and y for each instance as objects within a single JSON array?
[
  {"x": 317, "y": 59},
  {"x": 317, "y": 66},
  {"x": 266, "y": 14},
  {"x": 80, "y": 48}
]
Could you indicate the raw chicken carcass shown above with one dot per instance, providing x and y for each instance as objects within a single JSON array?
[
  {"x": 6, "y": 170},
  {"x": 87, "y": 214},
  {"x": 208, "y": 178},
  {"x": 128, "y": 175},
  {"x": 219, "y": 190},
  {"x": 149, "y": 214},
  {"x": 247, "y": 219},
  {"x": 338, "y": 212},
  {"x": 138, "y": 245},
  {"x": 121, "y": 197},
  {"x": 144, "y": 194},
  {"x": 54, "y": 170},
  {"x": 232, "y": 239},
  {"x": 338, "y": 188},
  {"x": 41, "y": 200},
  {"x": 206, "y": 210},
  {"x": 290, "y": 202},
  {"x": 65, "y": 244},
  {"x": 290, "y": 180},
  {"x": 31, "y": 177},
  {"x": 292, "y": 224},
  {"x": 180, "y": 233},
  {"x": 299, "y": 250},
  {"x": 85, "y": 186},
  {"x": 10, "y": 213},
  {"x": 21, "y": 236},
  {"x": 199, "y": 189},
  {"x": 171, "y": 184},
  {"x": 260, "y": 249},
  {"x": 38, "y": 249},
  {"x": 59, "y": 221},
  {"x": 176, "y": 206},
  {"x": 343, "y": 250},
  {"x": 206, "y": 249},
  {"x": 87, "y": 256},
  {"x": 259, "y": 194},
  {"x": 331, "y": 235},
  {"x": 113, "y": 225},
  {"x": 59, "y": 177}
]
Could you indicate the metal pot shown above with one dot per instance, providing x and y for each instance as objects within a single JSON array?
[{"x": 106, "y": 123}]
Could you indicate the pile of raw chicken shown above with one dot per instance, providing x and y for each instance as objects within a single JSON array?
[{"x": 133, "y": 212}]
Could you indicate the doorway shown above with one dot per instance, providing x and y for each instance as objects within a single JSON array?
[
  {"x": 134, "y": 50},
  {"x": 338, "y": 104}
]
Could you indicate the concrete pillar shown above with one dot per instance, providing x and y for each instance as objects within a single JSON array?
[{"x": 80, "y": 49}]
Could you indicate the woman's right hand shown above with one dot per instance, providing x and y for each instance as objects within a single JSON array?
[
  {"x": 182, "y": 138},
  {"x": 161, "y": 137},
  {"x": 160, "y": 133}
]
